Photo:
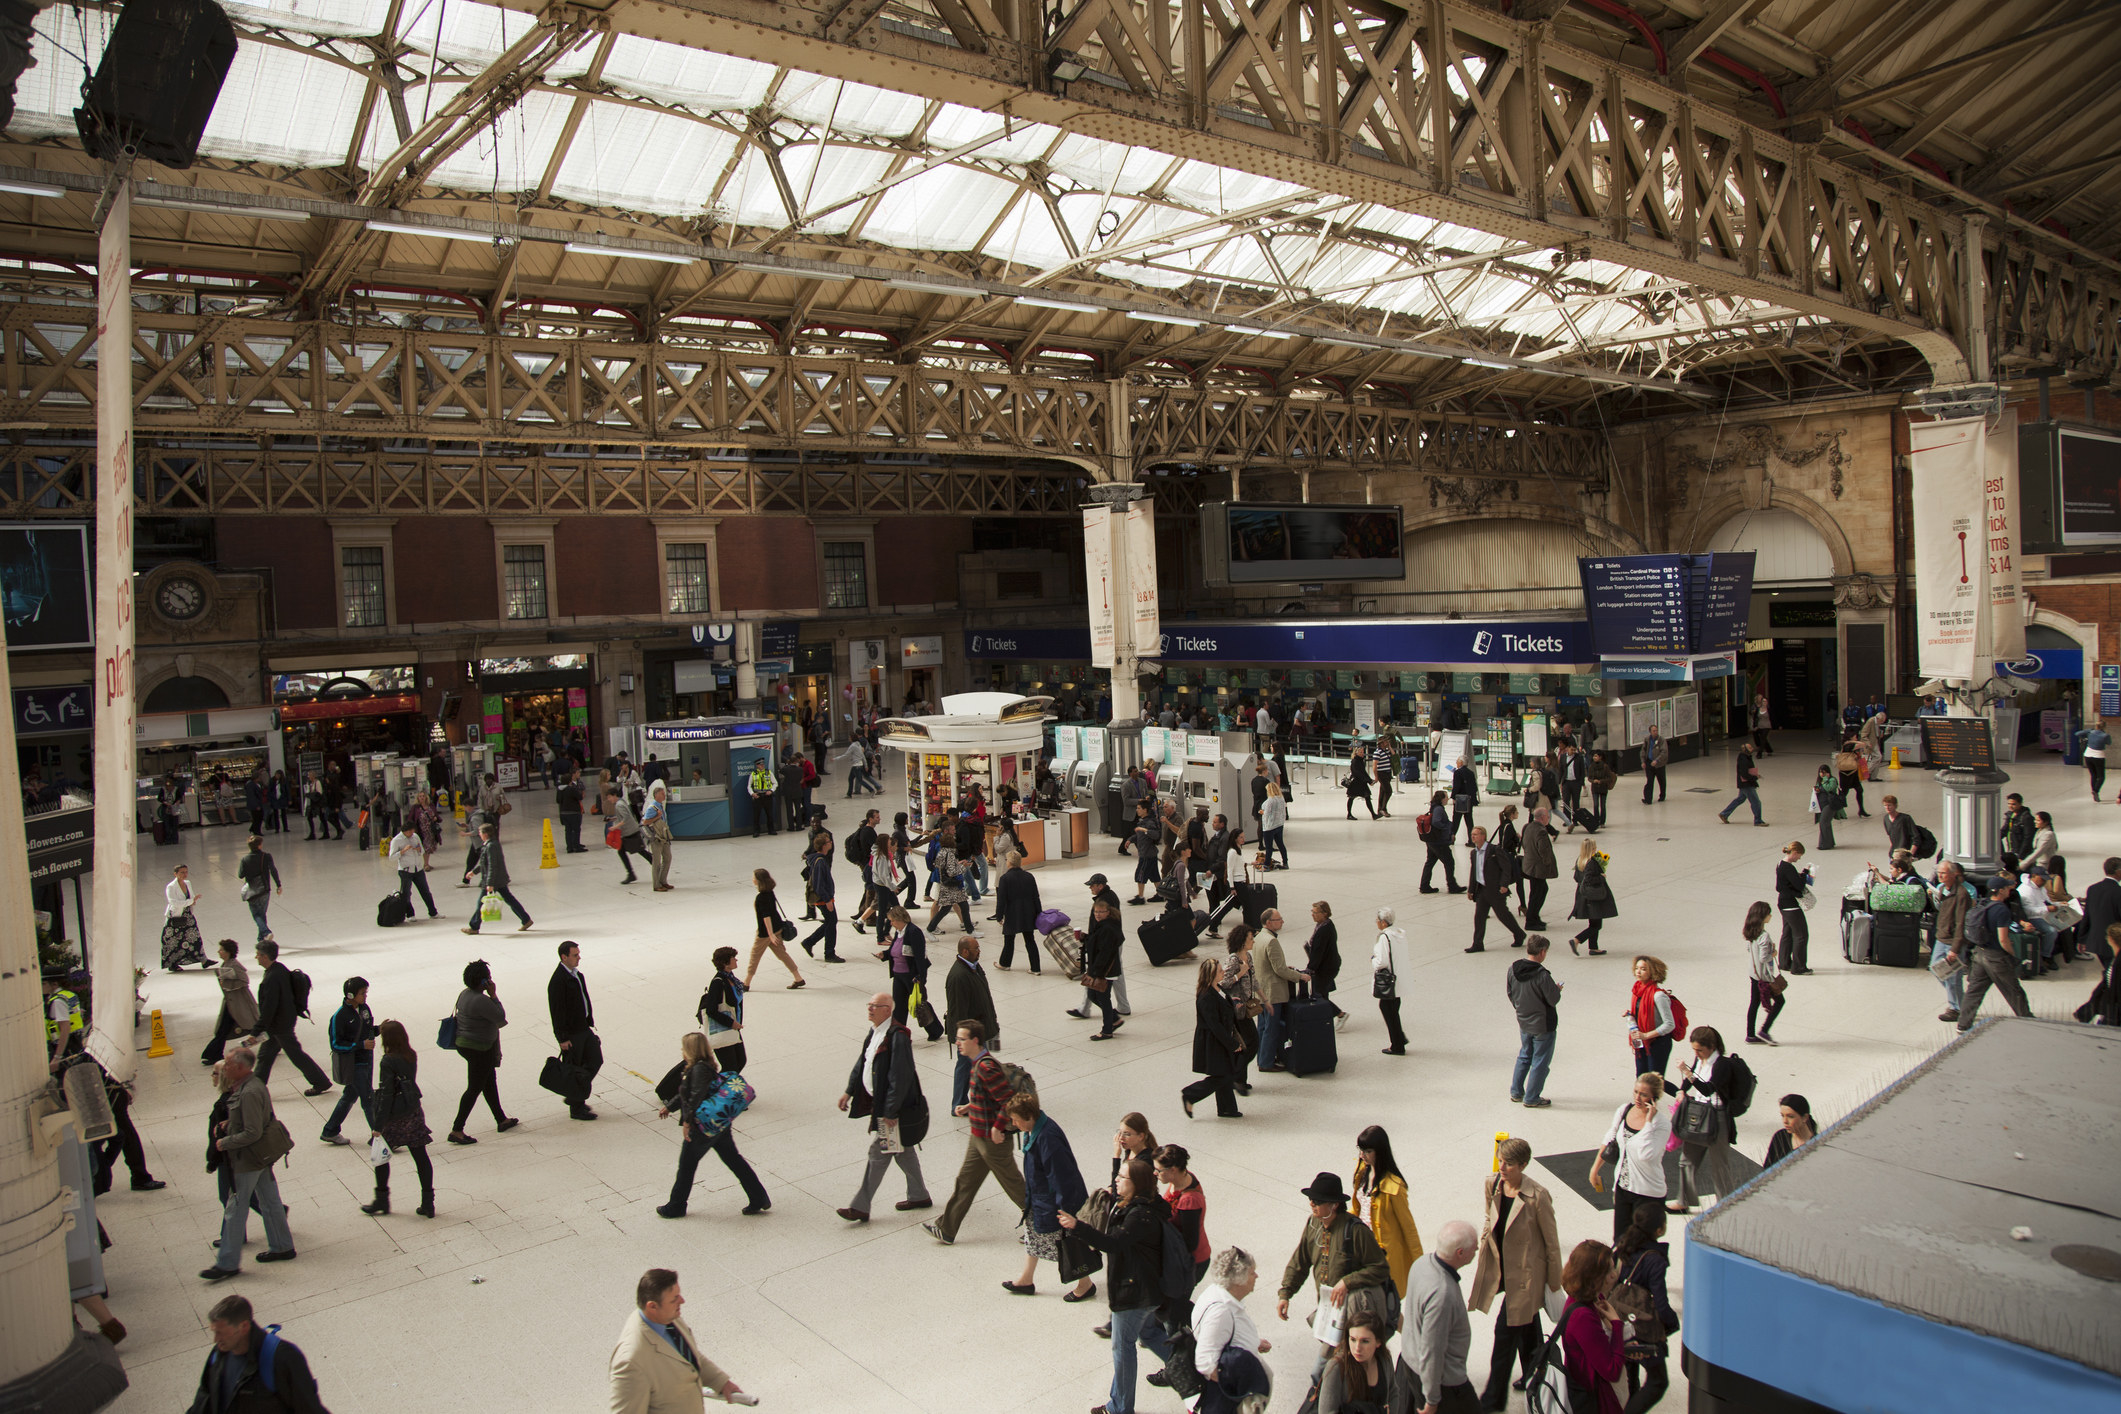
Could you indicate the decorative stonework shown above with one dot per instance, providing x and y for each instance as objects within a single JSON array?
[
  {"x": 1469, "y": 497},
  {"x": 1861, "y": 591},
  {"x": 1751, "y": 445}
]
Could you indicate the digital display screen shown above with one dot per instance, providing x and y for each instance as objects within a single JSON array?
[
  {"x": 2091, "y": 488},
  {"x": 1276, "y": 543},
  {"x": 1902, "y": 706},
  {"x": 44, "y": 586},
  {"x": 1958, "y": 743}
]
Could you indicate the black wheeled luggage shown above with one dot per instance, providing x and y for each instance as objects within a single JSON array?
[
  {"x": 1308, "y": 1045},
  {"x": 1896, "y": 940},
  {"x": 392, "y": 911},
  {"x": 1166, "y": 937},
  {"x": 1586, "y": 821},
  {"x": 1254, "y": 899}
]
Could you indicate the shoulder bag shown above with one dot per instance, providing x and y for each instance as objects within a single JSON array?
[{"x": 1698, "y": 1122}]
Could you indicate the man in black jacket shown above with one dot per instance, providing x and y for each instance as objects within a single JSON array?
[
  {"x": 967, "y": 997},
  {"x": 1465, "y": 794},
  {"x": 861, "y": 842},
  {"x": 1488, "y": 882},
  {"x": 2102, "y": 909},
  {"x": 351, "y": 1034},
  {"x": 885, "y": 1089},
  {"x": 1016, "y": 908},
  {"x": 1101, "y": 965},
  {"x": 574, "y": 1023},
  {"x": 277, "y": 1014},
  {"x": 234, "y": 1381},
  {"x": 1322, "y": 958},
  {"x": 569, "y": 800}
]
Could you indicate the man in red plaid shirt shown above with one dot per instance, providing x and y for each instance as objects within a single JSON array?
[{"x": 987, "y": 1151}]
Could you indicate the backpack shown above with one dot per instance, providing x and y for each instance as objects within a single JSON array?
[
  {"x": 267, "y": 1358},
  {"x": 853, "y": 849},
  {"x": 1925, "y": 843},
  {"x": 1738, "y": 1096},
  {"x": 298, "y": 982},
  {"x": 1424, "y": 822},
  {"x": 1018, "y": 1080},
  {"x": 1176, "y": 1281},
  {"x": 1679, "y": 1026}
]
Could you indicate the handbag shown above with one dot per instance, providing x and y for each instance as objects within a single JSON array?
[
  {"x": 1807, "y": 898},
  {"x": 1078, "y": 1259},
  {"x": 1779, "y": 983},
  {"x": 1097, "y": 984},
  {"x": 1611, "y": 1152},
  {"x": 786, "y": 930},
  {"x": 490, "y": 907},
  {"x": 1698, "y": 1122},
  {"x": 273, "y": 1145},
  {"x": 1383, "y": 982},
  {"x": 612, "y": 837},
  {"x": 924, "y": 1010},
  {"x": 446, "y": 1034},
  {"x": 569, "y": 1081}
]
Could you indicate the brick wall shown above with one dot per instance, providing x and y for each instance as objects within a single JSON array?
[
  {"x": 916, "y": 559},
  {"x": 769, "y": 562},
  {"x": 2088, "y": 603},
  {"x": 297, "y": 551},
  {"x": 445, "y": 569},
  {"x": 607, "y": 566}
]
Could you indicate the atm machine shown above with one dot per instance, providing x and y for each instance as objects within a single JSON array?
[
  {"x": 408, "y": 777},
  {"x": 1120, "y": 747},
  {"x": 1067, "y": 750},
  {"x": 1088, "y": 779},
  {"x": 1205, "y": 787}
]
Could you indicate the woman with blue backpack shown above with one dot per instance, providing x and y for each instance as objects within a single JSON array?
[{"x": 706, "y": 1099}]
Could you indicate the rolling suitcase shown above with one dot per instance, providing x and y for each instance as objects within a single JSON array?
[
  {"x": 1308, "y": 1043},
  {"x": 1222, "y": 909},
  {"x": 1586, "y": 821},
  {"x": 1856, "y": 936},
  {"x": 2025, "y": 945},
  {"x": 392, "y": 911},
  {"x": 1066, "y": 949},
  {"x": 1896, "y": 940},
  {"x": 1254, "y": 899},
  {"x": 1166, "y": 937}
]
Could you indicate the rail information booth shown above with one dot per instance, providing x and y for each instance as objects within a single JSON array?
[{"x": 708, "y": 761}]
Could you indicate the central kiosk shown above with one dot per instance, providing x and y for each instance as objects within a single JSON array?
[{"x": 987, "y": 739}]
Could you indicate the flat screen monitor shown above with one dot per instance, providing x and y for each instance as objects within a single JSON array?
[
  {"x": 1958, "y": 743},
  {"x": 44, "y": 586},
  {"x": 1281, "y": 543},
  {"x": 1902, "y": 706}
]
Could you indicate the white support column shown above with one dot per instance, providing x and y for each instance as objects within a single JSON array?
[
  {"x": 110, "y": 948},
  {"x": 746, "y": 648},
  {"x": 1976, "y": 272}
]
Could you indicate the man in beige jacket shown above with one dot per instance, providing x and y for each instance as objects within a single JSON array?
[
  {"x": 1277, "y": 983},
  {"x": 657, "y": 1367}
]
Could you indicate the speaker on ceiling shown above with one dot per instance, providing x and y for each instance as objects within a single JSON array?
[{"x": 156, "y": 84}]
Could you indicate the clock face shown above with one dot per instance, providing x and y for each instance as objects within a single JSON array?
[{"x": 180, "y": 597}]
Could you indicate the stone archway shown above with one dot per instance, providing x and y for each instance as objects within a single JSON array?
[
  {"x": 201, "y": 679},
  {"x": 1711, "y": 519}
]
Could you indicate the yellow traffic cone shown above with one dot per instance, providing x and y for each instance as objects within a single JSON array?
[
  {"x": 1501, "y": 1137},
  {"x": 460, "y": 809},
  {"x": 159, "y": 1045},
  {"x": 1896, "y": 758},
  {"x": 548, "y": 859},
  {"x": 382, "y": 840}
]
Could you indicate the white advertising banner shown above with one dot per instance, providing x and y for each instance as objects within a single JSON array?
[
  {"x": 1146, "y": 620},
  {"x": 1965, "y": 546},
  {"x": 1104, "y": 593},
  {"x": 2005, "y": 620},
  {"x": 1365, "y": 716}
]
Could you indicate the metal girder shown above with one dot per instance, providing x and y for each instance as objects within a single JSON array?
[
  {"x": 1480, "y": 120},
  {"x": 259, "y": 382}
]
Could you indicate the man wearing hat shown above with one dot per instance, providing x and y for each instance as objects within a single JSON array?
[
  {"x": 1342, "y": 1258},
  {"x": 2032, "y": 897},
  {"x": 1101, "y": 892}
]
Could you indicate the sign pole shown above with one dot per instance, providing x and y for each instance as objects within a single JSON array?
[{"x": 110, "y": 1038}]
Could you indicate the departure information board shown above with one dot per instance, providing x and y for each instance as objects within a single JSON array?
[
  {"x": 1958, "y": 743},
  {"x": 1652, "y": 605}
]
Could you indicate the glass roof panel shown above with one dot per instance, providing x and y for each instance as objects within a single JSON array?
[
  {"x": 280, "y": 106},
  {"x": 956, "y": 125},
  {"x": 672, "y": 73},
  {"x": 642, "y": 161},
  {"x": 848, "y": 107},
  {"x": 948, "y": 208}
]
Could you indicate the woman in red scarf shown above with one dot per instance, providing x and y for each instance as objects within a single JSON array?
[{"x": 1654, "y": 1017}]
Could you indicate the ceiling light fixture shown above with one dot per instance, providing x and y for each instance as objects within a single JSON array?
[
  {"x": 31, "y": 189},
  {"x": 1041, "y": 302},
  {"x": 1344, "y": 343},
  {"x": 439, "y": 233},
  {"x": 924, "y": 287},
  {"x": 1172, "y": 319},
  {"x": 1065, "y": 65},
  {"x": 628, "y": 253},
  {"x": 1490, "y": 363},
  {"x": 1253, "y": 331},
  {"x": 216, "y": 208}
]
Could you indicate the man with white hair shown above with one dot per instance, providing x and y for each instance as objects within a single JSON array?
[{"x": 1438, "y": 1332}]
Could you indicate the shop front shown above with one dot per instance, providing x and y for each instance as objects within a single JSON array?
[
  {"x": 519, "y": 701},
  {"x": 334, "y": 713},
  {"x": 920, "y": 660},
  {"x": 806, "y": 690}
]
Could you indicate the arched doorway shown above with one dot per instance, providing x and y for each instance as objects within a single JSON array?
[
  {"x": 185, "y": 695},
  {"x": 1793, "y": 641}
]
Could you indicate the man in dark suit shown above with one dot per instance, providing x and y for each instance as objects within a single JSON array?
[
  {"x": 885, "y": 1089},
  {"x": 1489, "y": 885},
  {"x": 574, "y": 1024},
  {"x": 277, "y": 1015},
  {"x": 2102, "y": 909},
  {"x": 966, "y": 997}
]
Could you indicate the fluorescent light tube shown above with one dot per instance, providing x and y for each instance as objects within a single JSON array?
[
  {"x": 1344, "y": 343},
  {"x": 920, "y": 287},
  {"x": 1490, "y": 363},
  {"x": 1041, "y": 302},
  {"x": 440, "y": 233},
  {"x": 1174, "y": 319},
  {"x": 1255, "y": 332},
  {"x": 215, "y": 208},
  {"x": 626, "y": 253},
  {"x": 31, "y": 189}
]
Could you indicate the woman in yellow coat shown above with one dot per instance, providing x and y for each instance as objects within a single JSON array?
[{"x": 1381, "y": 1202}]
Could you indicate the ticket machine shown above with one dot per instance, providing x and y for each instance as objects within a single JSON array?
[
  {"x": 1088, "y": 780},
  {"x": 1067, "y": 750},
  {"x": 1120, "y": 746},
  {"x": 469, "y": 764},
  {"x": 1203, "y": 778}
]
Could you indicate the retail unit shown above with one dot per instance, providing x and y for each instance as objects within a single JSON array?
[{"x": 987, "y": 739}]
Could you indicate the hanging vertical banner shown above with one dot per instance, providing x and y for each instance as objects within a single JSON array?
[
  {"x": 1999, "y": 497},
  {"x": 1945, "y": 462},
  {"x": 1141, "y": 579},
  {"x": 1103, "y": 592},
  {"x": 109, "y": 951}
]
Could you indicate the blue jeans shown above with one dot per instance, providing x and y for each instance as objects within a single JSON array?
[
  {"x": 960, "y": 1084},
  {"x": 1271, "y": 841},
  {"x": 1747, "y": 795},
  {"x": 1129, "y": 1327},
  {"x": 1271, "y": 1022},
  {"x": 979, "y": 876},
  {"x": 259, "y": 1185},
  {"x": 1534, "y": 1055},
  {"x": 2048, "y": 934},
  {"x": 258, "y": 906},
  {"x": 359, "y": 1087},
  {"x": 1955, "y": 985}
]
